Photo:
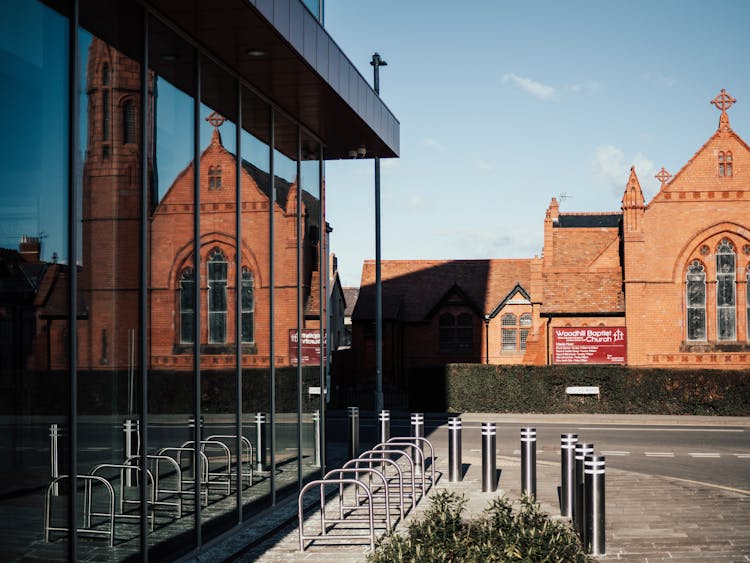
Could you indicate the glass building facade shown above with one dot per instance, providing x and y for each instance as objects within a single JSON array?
[{"x": 163, "y": 273}]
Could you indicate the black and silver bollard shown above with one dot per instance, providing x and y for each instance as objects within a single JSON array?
[
  {"x": 455, "y": 467},
  {"x": 567, "y": 476},
  {"x": 595, "y": 515},
  {"x": 316, "y": 428},
  {"x": 417, "y": 431},
  {"x": 260, "y": 442},
  {"x": 489, "y": 467},
  {"x": 528, "y": 461},
  {"x": 384, "y": 426},
  {"x": 579, "y": 506},
  {"x": 353, "y": 432},
  {"x": 130, "y": 428},
  {"x": 54, "y": 470}
]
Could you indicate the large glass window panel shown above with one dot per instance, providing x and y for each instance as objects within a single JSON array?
[
  {"x": 255, "y": 250},
  {"x": 108, "y": 277},
  {"x": 34, "y": 276},
  {"x": 285, "y": 322},
  {"x": 218, "y": 226},
  {"x": 312, "y": 275},
  {"x": 171, "y": 245}
]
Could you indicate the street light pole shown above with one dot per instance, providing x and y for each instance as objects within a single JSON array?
[{"x": 376, "y": 63}]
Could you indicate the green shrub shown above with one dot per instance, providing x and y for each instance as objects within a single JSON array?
[
  {"x": 541, "y": 389},
  {"x": 500, "y": 534}
]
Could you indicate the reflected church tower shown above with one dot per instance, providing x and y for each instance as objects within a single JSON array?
[{"x": 110, "y": 225}]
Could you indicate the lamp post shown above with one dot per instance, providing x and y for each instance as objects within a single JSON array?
[{"x": 376, "y": 63}]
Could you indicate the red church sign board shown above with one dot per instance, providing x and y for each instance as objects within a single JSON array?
[
  {"x": 590, "y": 345},
  {"x": 310, "y": 346}
]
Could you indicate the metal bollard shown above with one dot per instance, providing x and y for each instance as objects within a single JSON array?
[
  {"x": 528, "y": 461},
  {"x": 316, "y": 428},
  {"x": 489, "y": 467},
  {"x": 455, "y": 467},
  {"x": 260, "y": 441},
  {"x": 384, "y": 426},
  {"x": 579, "y": 506},
  {"x": 567, "y": 466},
  {"x": 353, "y": 432},
  {"x": 54, "y": 470},
  {"x": 595, "y": 518},
  {"x": 130, "y": 427},
  {"x": 417, "y": 431}
]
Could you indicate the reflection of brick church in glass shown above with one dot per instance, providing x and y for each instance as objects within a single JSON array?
[{"x": 109, "y": 270}]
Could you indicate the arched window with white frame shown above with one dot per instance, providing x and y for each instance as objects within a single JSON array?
[
  {"x": 525, "y": 322},
  {"x": 726, "y": 301},
  {"x": 508, "y": 332},
  {"x": 695, "y": 289},
  {"x": 217, "y": 297},
  {"x": 247, "y": 300},
  {"x": 187, "y": 306}
]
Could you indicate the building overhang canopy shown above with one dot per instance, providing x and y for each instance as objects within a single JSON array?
[{"x": 282, "y": 51}]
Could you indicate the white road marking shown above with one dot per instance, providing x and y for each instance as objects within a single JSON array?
[
  {"x": 743, "y": 456},
  {"x": 631, "y": 429},
  {"x": 704, "y": 454},
  {"x": 659, "y": 454},
  {"x": 613, "y": 452}
]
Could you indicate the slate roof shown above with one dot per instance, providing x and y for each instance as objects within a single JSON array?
[
  {"x": 412, "y": 288},
  {"x": 578, "y": 220}
]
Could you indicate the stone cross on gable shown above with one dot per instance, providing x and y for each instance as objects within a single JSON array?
[
  {"x": 216, "y": 119},
  {"x": 723, "y": 101},
  {"x": 663, "y": 176}
]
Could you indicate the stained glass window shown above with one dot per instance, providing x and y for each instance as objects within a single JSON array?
[{"x": 696, "y": 301}]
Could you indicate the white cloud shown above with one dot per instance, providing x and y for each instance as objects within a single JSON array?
[
  {"x": 661, "y": 79},
  {"x": 588, "y": 87},
  {"x": 434, "y": 144},
  {"x": 612, "y": 166},
  {"x": 483, "y": 165},
  {"x": 415, "y": 202},
  {"x": 537, "y": 89}
]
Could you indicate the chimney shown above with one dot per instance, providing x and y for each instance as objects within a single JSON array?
[{"x": 30, "y": 249}]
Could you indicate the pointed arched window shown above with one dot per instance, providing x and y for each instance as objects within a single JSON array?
[
  {"x": 696, "y": 301},
  {"x": 128, "y": 122},
  {"x": 248, "y": 306},
  {"x": 217, "y": 297},
  {"x": 187, "y": 306},
  {"x": 726, "y": 302}
]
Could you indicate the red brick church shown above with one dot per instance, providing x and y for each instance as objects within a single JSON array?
[{"x": 664, "y": 283}]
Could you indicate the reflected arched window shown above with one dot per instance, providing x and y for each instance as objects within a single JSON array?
[
  {"x": 214, "y": 177},
  {"x": 696, "y": 301},
  {"x": 105, "y": 74},
  {"x": 217, "y": 297},
  {"x": 509, "y": 332},
  {"x": 187, "y": 306},
  {"x": 248, "y": 306},
  {"x": 105, "y": 115},
  {"x": 447, "y": 328},
  {"x": 726, "y": 302},
  {"x": 128, "y": 122},
  {"x": 464, "y": 333}
]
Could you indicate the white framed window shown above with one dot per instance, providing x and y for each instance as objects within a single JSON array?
[
  {"x": 217, "y": 297},
  {"x": 187, "y": 305},
  {"x": 247, "y": 301},
  {"x": 726, "y": 300},
  {"x": 509, "y": 332},
  {"x": 695, "y": 285}
]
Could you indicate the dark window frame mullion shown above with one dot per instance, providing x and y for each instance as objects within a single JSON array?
[
  {"x": 272, "y": 299},
  {"x": 238, "y": 298},
  {"x": 197, "y": 265},
  {"x": 324, "y": 314},
  {"x": 73, "y": 218},
  {"x": 300, "y": 320},
  {"x": 143, "y": 286}
]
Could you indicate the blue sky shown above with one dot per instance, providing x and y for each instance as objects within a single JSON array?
[{"x": 504, "y": 105}]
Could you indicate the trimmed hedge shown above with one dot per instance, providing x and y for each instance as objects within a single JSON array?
[{"x": 541, "y": 389}]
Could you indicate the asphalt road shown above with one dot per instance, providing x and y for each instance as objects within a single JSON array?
[{"x": 710, "y": 454}]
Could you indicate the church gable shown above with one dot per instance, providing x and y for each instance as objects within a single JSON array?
[{"x": 721, "y": 165}]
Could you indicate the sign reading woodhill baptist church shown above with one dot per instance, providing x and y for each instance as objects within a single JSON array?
[
  {"x": 590, "y": 345},
  {"x": 310, "y": 346}
]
